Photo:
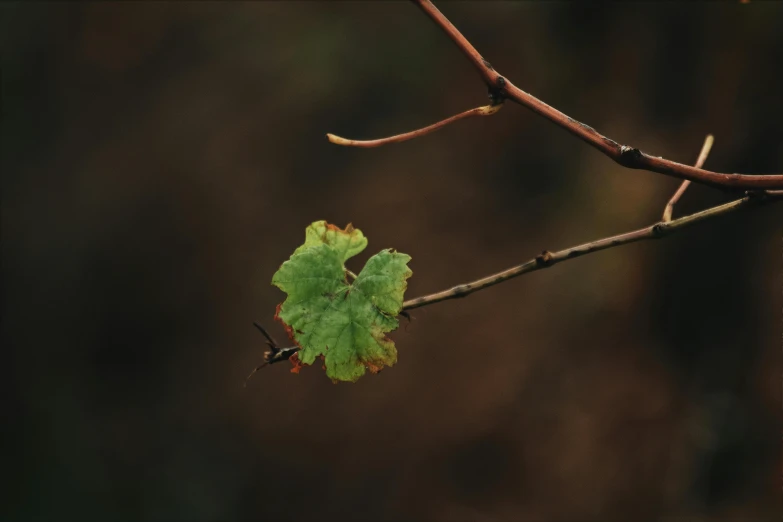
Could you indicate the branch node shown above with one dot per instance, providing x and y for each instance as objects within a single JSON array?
[
  {"x": 461, "y": 291},
  {"x": 629, "y": 156},
  {"x": 544, "y": 258},
  {"x": 496, "y": 97}
]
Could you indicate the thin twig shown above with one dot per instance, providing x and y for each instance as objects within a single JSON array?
[
  {"x": 486, "y": 110},
  {"x": 547, "y": 259},
  {"x": 705, "y": 151},
  {"x": 624, "y": 155}
]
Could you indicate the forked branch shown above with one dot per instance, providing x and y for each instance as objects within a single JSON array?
[
  {"x": 624, "y": 155},
  {"x": 654, "y": 231}
]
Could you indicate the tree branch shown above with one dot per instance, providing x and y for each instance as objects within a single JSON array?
[
  {"x": 547, "y": 259},
  {"x": 705, "y": 151},
  {"x": 624, "y": 155},
  {"x": 486, "y": 110}
]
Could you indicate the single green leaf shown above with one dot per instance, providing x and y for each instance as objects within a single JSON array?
[
  {"x": 348, "y": 242},
  {"x": 345, "y": 322}
]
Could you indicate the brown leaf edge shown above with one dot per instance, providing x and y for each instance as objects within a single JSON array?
[{"x": 297, "y": 365}]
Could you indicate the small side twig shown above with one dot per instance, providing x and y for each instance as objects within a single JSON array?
[
  {"x": 705, "y": 151},
  {"x": 486, "y": 110}
]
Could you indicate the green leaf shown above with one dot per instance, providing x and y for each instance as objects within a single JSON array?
[
  {"x": 348, "y": 242},
  {"x": 345, "y": 322}
]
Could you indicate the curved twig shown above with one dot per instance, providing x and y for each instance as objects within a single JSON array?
[{"x": 486, "y": 110}]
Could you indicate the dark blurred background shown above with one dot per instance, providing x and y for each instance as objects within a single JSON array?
[{"x": 160, "y": 160}]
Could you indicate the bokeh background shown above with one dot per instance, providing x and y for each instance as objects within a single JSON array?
[{"x": 160, "y": 160}]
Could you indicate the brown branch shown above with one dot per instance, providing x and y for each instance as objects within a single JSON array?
[
  {"x": 626, "y": 156},
  {"x": 547, "y": 259},
  {"x": 705, "y": 151},
  {"x": 486, "y": 110}
]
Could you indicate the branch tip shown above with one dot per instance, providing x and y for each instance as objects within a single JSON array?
[{"x": 337, "y": 140}]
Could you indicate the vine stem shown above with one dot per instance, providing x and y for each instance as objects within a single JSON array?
[{"x": 624, "y": 155}]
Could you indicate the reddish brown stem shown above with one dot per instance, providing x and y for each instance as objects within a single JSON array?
[
  {"x": 487, "y": 110},
  {"x": 624, "y": 155},
  {"x": 705, "y": 151}
]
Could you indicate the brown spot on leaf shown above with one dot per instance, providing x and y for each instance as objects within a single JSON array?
[{"x": 348, "y": 228}]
